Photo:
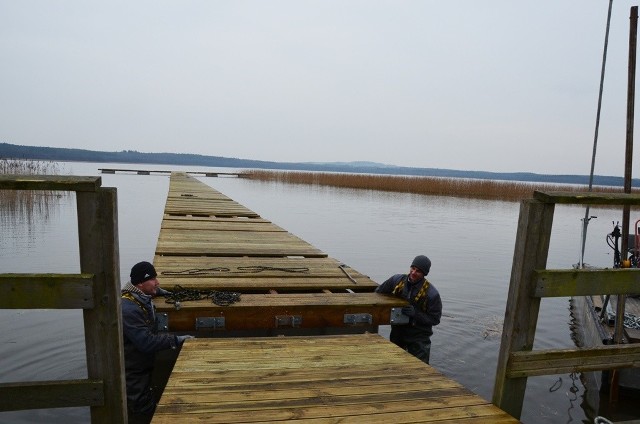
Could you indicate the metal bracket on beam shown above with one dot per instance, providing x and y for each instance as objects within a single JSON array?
[
  {"x": 397, "y": 317},
  {"x": 355, "y": 319},
  {"x": 210, "y": 323},
  {"x": 288, "y": 321},
  {"x": 162, "y": 322}
]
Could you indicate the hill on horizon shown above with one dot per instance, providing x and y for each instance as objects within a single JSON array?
[{"x": 13, "y": 151}]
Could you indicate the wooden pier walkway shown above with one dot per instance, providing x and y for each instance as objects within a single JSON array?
[
  {"x": 164, "y": 172},
  {"x": 209, "y": 242},
  {"x": 323, "y": 366},
  {"x": 360, "y": 378}
]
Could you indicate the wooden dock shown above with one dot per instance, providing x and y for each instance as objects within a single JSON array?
[
  {"x": 324, "y": 365},
  {"x": 164, "y": 172},
  {"x": 208, "y": 242},
  {"x": 360, "y": 378}
]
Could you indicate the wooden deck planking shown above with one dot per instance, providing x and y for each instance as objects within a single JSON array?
[
  {"x": 261, "y": 274},
  {"x": 284, "y": 281},
  {"x": 322, "y": 379},
  {"x": 219, "y": 224}
]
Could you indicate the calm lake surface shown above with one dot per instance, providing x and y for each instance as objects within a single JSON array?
[{"x": 470, "y": 243}]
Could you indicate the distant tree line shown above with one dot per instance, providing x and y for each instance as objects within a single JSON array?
[{"x": 13, "y": 151}]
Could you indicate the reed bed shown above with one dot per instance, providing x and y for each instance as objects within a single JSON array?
[
  {"x": 435, "y": 186},
  {"x": 27, "y": 204}
]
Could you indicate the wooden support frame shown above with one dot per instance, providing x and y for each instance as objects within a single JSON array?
[
  {"x": 96, "y": 290},
  {"x": 521, "y": 316},
  {"x": 531, "y": 281}
]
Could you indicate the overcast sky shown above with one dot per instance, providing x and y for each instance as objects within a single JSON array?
[{"x": 475, "y": 85}]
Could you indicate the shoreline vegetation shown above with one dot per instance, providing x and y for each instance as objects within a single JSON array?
[
  {"x": 27, "y": 204},
  {"x": 434, "y": 186}
]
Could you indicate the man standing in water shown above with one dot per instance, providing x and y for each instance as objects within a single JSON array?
[
  {"x": 141, "y": 340},
  {"x": 424, "y": 309}
]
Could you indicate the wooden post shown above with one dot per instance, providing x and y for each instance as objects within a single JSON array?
[
  {"x": 521, "y": 315},
  {"x": 98, "y": 237}
]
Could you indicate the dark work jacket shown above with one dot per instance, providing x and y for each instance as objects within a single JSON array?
[
  {"x": 425, "y": 318},
  {"x": 141, "y": 342}
]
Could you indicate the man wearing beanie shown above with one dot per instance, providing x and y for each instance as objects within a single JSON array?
[
  {"x": 141, "y": 340},
  {"x": 424, "y": 309}
]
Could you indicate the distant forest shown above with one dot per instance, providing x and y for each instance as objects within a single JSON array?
[{"x": 12, "y": 151}]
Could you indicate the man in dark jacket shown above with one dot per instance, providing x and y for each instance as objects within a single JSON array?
[
  {"x": 141, "y": 340},
  {"x": 424, "y": 309}
]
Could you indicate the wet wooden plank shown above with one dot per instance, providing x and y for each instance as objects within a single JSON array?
[{"x": 322, "y": 379}]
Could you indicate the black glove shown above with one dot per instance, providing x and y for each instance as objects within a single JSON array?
[
  {"x": 181, "y": 339},
  {"x": 409, "y": 311},
  {"x": 162, "y": 292}
]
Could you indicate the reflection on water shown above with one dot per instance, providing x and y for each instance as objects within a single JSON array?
[
  {"x": 28, "y": 208},
  {"x": 470, "y": 243}
]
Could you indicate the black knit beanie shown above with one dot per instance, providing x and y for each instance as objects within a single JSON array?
[
  {"x": 141, "y": 272},
  {"x": 422, "y": 263}
]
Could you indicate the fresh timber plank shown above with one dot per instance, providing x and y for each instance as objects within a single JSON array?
[{"x": 322, "y": 379}]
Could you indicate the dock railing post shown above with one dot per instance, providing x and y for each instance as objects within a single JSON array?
[
  {"x": 98, "y": 238},
  {"x": 521, "y": 315}
]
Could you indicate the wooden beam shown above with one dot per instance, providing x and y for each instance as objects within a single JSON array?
[
  {"x": 565, "y": 361},
  {"x": 46, "y": 291},
  {"x": 50, "y": 394},
  {"x": 98, "y": 237},
  {"x": 587, "y": 198},
  {"x": 49, "y": 182},
  {"x": 521, "y": 315},
  {"x": 585, "y": 282}
]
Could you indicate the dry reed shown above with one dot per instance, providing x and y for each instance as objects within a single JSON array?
[
  {"x": 437, "y": 186},
  {"x": 27, "y": 204}
]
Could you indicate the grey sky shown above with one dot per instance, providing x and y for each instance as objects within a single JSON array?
[{"x": 476, "y": 85}]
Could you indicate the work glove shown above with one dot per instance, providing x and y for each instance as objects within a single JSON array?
[
  {"x": 162, "y": 292},
  {"x": 181, "y": 339},
  {"x": 409, "y": 311}
]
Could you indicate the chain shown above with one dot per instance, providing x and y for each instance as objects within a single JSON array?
[
  {"x": 630, "y": 320},
  {"x": 197, "y": 271},
  {"x": 270, "y": 268},
  {"x": 180, "y": 294},
  {"x": 240, "y": 270}
]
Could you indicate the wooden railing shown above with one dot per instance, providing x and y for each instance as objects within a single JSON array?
[
  {"x": 530, "y": 282},
  {"x": 96, "y": 290}
]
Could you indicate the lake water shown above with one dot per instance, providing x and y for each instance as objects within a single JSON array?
[{"x": 470, "y": 243}]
